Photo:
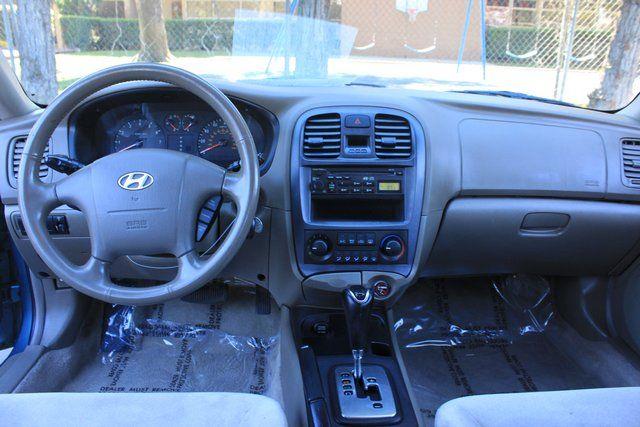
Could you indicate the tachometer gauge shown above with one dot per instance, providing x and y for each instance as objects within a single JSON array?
[
  {"x": 138, "y": 133},
  {"x": 173, "y": 123},
  {"x": 215, "y": 143}
]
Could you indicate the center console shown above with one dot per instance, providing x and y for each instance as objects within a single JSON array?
[
  {"x": 359, "y": 176},
  {"x": 357, "y": 183}
]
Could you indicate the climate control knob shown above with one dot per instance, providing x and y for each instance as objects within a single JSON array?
[
  {"x": 392, "y": 247},
  {"x": 319, "y": 247}
]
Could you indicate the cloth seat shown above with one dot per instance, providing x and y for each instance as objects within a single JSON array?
[
  {"x": 592, "y": 407},
  {"x": 154, "y": 409}
]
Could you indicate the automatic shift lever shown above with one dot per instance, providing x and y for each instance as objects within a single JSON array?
[{"x": 357, "y": 308}]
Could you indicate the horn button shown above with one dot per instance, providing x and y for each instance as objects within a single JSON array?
[{"x": 140, "y": 207}]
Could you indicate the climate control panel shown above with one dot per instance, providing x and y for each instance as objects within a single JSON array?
[{"x": 361, "y": 247}]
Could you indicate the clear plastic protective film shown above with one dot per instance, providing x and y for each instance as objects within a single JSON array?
[
  {"x": 500, "y": 313},
  {"x": 143, "y": 351},
  {"x": 479, "y": 336}
]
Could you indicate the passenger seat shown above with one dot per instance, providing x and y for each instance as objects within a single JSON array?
[{"x": 592, "y": 407}]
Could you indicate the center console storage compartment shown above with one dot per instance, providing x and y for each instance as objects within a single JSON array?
[{"x": 372, "y": 209}]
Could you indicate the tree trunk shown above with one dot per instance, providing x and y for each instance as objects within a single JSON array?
[
  {"x": 35, "y": 43},
  {"x": 153, "y": 35},
  {"x": 312, "y": 57},
  {"x": 624, "y": 61}
]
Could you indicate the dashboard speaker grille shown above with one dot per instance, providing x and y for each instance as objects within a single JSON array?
[
  {"x": 631, "y": 161},
  {"x": 17, "y": 148},
  {"x": 322, "y": 136},
  {"x": 393, "y": 136}
]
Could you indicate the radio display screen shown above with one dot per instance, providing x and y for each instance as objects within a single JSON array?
[{"x": 391, "y": 186}]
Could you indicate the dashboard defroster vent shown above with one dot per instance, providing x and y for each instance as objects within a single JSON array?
[
  {"x": 322, "y": 136},
  {"x": 631, "y": 162},
  {"x": 393, "y": 136},
  {"x": 17, "y": 148}
]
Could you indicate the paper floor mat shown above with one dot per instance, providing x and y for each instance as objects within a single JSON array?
[
  {"x": 461, "y": 338},
  {"x": 180, "y": 346}
]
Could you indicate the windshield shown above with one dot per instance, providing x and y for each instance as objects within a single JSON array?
[{"x": 582, "y": 52}]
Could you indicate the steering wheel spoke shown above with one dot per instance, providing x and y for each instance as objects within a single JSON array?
[
  {"x": 44, "y": 197},
  {"x": 95, "y": 271},
  {"x": 188, "y": 264},
  {"x": 203, "y": 180},
  {"x": 232, "y": 185},
  {"x": 75, "y": 190}
]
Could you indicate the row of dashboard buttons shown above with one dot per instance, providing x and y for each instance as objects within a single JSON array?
[
  {"x": 356, "y": 239},
  {"x": 343, "y": 187},
  {"x": 355, "y": 258}
]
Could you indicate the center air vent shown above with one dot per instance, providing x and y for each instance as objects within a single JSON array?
[
  {"x": 17, "y": 148},
  {"x": 322, "y": 136},
  {"x": 631, "y": 161},
  {"x": 393, "y": 136}
]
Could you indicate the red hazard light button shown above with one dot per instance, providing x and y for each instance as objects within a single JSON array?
[{"x": 357, "y": 121}]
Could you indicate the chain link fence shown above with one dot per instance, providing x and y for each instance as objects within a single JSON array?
[{"x": 540, "y": 33}]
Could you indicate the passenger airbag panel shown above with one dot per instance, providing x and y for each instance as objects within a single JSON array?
[{"x": 511, "y": 158}]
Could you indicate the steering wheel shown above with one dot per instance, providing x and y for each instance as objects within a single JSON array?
[{"x": 139, "y": 202}]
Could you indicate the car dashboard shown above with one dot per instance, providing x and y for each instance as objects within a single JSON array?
[{"x": 370, "y": 186}]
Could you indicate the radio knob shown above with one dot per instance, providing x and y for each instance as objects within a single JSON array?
[
  {"x": 392, "y": 247},
  {"x": 317, "y": 185}
]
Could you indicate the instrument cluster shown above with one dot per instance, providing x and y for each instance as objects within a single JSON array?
[
  {"x": 201, "y": 133},
  {"x": 166, "y": 118}
]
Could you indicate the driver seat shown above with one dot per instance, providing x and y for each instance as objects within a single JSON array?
[{"x": 156, "y": 409}]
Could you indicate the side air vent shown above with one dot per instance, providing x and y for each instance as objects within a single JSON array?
[
  {"x": 16, "y": 148},
  {"x": 322, "y": 136},
  {"x": 393, "y": 136},
  {"x": 631, "y": 161}
]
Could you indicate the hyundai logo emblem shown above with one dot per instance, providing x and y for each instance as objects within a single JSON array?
[{"x": 134, "y": 181}]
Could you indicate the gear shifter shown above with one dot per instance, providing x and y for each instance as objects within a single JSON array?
[
  {"x": 367, "y": 396},
  {"x": 357, "y": 308}
]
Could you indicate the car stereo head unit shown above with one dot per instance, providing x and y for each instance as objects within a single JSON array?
[
  {"x": 352, "y": 182},
  {"x": 377, "y": 195}
]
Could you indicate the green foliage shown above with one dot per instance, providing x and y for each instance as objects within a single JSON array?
[
  {"x": 95, "y": 33},
  {"x": 116, "y": 34},
  {"x": 77, "y": 31},
  {"x": 77, "y": 7}
]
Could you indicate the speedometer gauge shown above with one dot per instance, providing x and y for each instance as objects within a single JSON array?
[
  {"x": 216, "y": 144},
  {"x": 138, "y": 133}
]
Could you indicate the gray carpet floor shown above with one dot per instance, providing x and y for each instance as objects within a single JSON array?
[
  {"x": 176, "y": 346},
  {"x": 460, "y": 338}
]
